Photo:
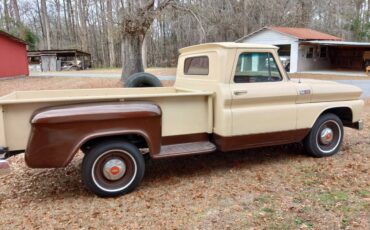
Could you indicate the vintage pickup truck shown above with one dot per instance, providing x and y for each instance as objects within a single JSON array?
[{"x": 227, "y": 96}]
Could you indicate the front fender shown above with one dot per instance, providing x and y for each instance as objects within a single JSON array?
[
  {"x": 57, "y": 133},
  {"x": 308, "y": 113}
]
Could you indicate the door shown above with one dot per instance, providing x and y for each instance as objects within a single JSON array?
[{"x": 263, "y": 99}]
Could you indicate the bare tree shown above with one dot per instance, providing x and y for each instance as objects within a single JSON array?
[
  {"x": 46, "y": 23},
  {"x": 112, "y": 55},
  {"x": 59, "y": 22},
  {"x": 136, "y": 20},
  {"x": 16, "y": 10},
  {"x": 82, "y": 14},
  {"x": 6, "y": 14}
]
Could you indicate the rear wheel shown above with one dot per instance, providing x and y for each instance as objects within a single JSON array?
[
  {"x": 326, "y": 136},
  {"x": 113, "y": 168}
]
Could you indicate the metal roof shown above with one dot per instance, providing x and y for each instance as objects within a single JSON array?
[
  {"x": 304, "y": 33},
  {"x": 12, "y": 37},
  {"x": 299, "y": 33},
  {"x": 55, "y": 52},
  {"x": 226, "y": 45},
  {"x": 340, "y": 43}
]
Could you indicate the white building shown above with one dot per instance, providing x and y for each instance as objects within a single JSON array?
[{"x": 311, "y": 50}]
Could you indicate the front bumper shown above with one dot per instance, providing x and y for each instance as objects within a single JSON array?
[{"x": 359, "y": 125}]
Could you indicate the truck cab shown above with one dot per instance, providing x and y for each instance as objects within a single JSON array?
[{"x": 255, "y": 102}]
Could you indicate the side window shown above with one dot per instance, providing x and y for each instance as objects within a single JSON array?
[
  {"x": 196, "y": 66},
  {"x": 256, "y": 67},
  {"x": 309, "y": 52},
  {"x": 323, "y": 52}
]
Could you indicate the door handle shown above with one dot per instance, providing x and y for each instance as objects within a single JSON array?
[{"x": 240, "y": 92}]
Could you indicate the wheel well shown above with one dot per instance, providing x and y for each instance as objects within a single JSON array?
[
  {"x": 344, "y": 113},
  {"x": 138, "y": 140}
]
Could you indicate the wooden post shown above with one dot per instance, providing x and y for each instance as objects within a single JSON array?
[
  {"x": 294, "y": 57},
  {"x": 2, "y": 128}
]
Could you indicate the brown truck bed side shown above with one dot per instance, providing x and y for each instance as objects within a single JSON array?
[{"x": 57, "y": 133}]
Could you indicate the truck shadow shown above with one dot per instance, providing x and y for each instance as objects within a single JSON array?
[
  {"x": 64, "y": 183},
  {"x": 207, "y": 164}
]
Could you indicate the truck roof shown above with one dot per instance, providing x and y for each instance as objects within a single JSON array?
[{"x": 226, "y": 45}]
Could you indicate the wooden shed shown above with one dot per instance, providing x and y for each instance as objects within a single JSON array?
[
  {"x": 13, "y": 56},
  {"x": 58, "y": 60}
]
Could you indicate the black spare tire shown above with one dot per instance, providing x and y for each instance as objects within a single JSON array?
[{"x": 140, "y": 80}]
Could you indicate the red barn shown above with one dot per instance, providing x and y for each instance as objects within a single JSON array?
[{"x": 13, "y": 56}]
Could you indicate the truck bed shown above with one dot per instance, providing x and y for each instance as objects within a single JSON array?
[{"x": 195, "y": 106}]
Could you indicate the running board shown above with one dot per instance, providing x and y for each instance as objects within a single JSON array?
[{"x": 192, "y": 148}]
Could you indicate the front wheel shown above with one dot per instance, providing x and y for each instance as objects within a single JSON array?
[
  {"x": 113, "y": 168},
  {"x": 326, "y": 136}
]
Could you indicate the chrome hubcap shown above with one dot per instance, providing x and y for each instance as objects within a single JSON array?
[
  {"x": 114, "y": 169},
  {"x": 326, "y": 136}
]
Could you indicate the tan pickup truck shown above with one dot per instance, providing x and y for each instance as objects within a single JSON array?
[{"x": 227, "y": 96}]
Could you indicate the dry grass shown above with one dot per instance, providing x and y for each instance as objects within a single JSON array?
[
  {"x": 34, "y": 83},
  {"x": 42, "y": 83},
  {"x": 269, "y": 188}
]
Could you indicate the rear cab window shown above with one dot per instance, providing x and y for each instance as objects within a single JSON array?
[
  {"x": 257, "y": 67},
  {"x": 196, "y": 66}
]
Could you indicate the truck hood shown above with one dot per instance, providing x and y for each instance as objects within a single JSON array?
[{"x": 321, "y": 90}]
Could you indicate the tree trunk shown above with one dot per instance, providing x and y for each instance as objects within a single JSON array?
[
  {"x": 104, "y": 32},
  {"x": 45, "y": 17},
  {"x": 16, "y": 10},
  {"x": 136, "y": 20},
  {"x": 70, "y": 21},
  {"x": 112, "y": 55},
  {"x": 131, "y": 55},
  {"x": 59, "y": 23},
  {"x": 82, "y": 5},
  {"x": 6, "y": 15},
  {"x": 368, "y": 11},
  {"x": 40, "y": 19},
  {"x": 246, "y": 16}
]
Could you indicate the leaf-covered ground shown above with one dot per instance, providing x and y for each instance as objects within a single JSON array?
[{"x": 269, "y": 188}]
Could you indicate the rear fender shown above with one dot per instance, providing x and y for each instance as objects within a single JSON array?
[{"x": 57, "y": 133}]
